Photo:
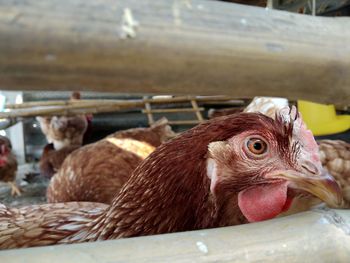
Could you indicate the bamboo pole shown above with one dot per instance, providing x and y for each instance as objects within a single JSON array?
[
  {"x": 51, "y": 108},
  {"x": 314, "y": 236},
  {"x": 197, "y": 110},
  {"x": 149, "y": 113},
  {"x": 172, "y": 110},
  {"x": 211, "y": 99}
]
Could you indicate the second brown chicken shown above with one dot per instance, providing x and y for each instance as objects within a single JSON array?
[{"x": 97, "y": 171}]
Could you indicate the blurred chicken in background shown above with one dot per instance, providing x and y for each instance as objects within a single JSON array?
[
  {"x": 64, "y": 135},
  {"x": 8, "y": 165}
]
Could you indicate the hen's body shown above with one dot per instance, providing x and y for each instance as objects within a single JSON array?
[
  {"x": 96, "y": 172},
  {"x": 51, "y": 159}
]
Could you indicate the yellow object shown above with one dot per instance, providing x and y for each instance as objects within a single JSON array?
[{"x": 322, "y": 119}]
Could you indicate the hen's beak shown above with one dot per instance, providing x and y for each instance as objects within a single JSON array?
[{"x": 316, "y": 182}]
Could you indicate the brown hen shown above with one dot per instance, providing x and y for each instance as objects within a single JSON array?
[
  {"x": 230, "y": 170},
  {"x": 8, "y": 165},
  {"x": 96, "y": 172}
]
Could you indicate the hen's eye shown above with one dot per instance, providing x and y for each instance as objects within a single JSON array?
[{"x": 257, "y": 146}]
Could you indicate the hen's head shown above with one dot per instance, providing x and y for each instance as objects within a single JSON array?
[
  {"x": 229, "y": 170},
  {"x": 265, "y": 165}
]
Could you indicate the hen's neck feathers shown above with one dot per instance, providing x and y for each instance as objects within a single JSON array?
[{"x": 169, "y": 191}]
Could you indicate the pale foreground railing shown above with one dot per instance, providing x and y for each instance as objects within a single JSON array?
[{"x": 314, "y": 236}]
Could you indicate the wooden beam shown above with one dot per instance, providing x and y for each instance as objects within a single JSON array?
[
  {"x": 173, "y": 47},
  {"x": 202, "y": 99},
  {"x": 318, "y": 236},
  {"x": 172, "y": 110},
  {"x": 73, "y": 107},
  {"x": 197, "y": 110}
]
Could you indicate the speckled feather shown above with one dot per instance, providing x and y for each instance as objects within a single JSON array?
[{"x": 47, "y": 224}]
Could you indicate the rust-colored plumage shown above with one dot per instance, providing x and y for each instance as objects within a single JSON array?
[
  {"x": 193, "y": 181},
  {"x": 51, "y": 159},
  {"x": 96, "y": 172},
  {"x": 8, "y": 165}
]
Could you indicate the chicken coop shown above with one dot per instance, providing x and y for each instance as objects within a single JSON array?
[{"x": 175, "y": 131}]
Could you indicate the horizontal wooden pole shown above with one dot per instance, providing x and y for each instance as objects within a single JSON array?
[
  {"x": 173, "y": 47},
  {"x": 172, "y": 110},
  {"x": 178, "y": 99},
  {"x": 51, "y": 108},
  {"x": 315, "y": 236}
]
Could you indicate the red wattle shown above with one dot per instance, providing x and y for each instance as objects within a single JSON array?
[{"x": 264, "y": 202}]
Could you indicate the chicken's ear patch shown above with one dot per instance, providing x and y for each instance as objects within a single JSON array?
[
  {"x": 212, "y": 173},
  {"x": 216, "y": 154}
]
